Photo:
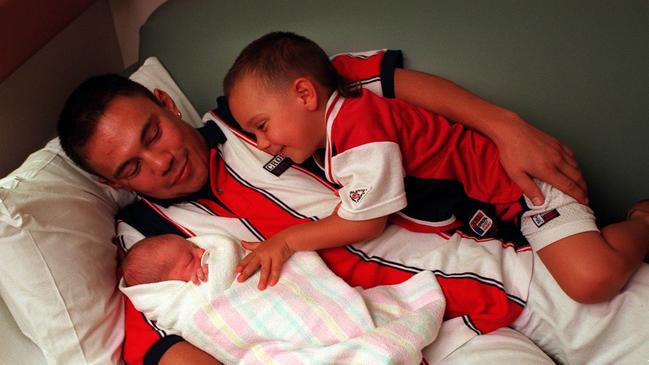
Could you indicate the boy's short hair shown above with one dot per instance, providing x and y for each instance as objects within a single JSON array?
[
  {"x": 280, "y": 57},
  {"x": 85, "y": 105}
]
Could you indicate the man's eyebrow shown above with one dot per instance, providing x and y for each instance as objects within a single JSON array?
[{"x": 145, "y": 130}]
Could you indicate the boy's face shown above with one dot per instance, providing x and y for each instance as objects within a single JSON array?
[
  {"x": 186, "y": 259},
  {"x": 283, "y": 121},
  {"x": 147, "y": 148}
]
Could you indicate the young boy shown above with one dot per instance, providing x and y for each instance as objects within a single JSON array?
[
  {"x": 392, "y": 159},
  {"x": 311, "y": 316}
]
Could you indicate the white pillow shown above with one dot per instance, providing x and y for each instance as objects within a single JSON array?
[{"x": 57, "y": 262}]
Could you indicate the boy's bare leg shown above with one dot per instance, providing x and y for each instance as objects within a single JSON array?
[{"x": 593, "y": 267}]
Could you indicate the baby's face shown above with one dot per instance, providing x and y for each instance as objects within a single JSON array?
[{"x": 186, "y": 259}]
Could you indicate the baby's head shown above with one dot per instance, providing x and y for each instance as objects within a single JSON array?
[{"x": 161, "y": 258}]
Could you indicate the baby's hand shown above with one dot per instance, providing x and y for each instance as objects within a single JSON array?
[
  {"x": 269, "y": 255},
  {"x": 200, "y": 275}
]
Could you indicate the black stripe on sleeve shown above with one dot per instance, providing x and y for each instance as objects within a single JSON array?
[
  {"x": 155, "y": 353},
  {"x": 391, "y": 60}
]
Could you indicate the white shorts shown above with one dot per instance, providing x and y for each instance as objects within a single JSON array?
[
  {"x": 500, "y": 347},
  {"x": 616, "y": 332},
  {"x": 558, "y": 217}
]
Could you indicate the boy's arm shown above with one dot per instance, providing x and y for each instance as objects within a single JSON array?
[
  {"x": 332, "y": 231},
  {"x": 525, "y": 151}
]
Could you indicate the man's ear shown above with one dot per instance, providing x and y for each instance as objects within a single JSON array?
[
  {"x": 306, "y": 92},
  {"x": 112, "y": 184},
  {"x": 166, "y": 101}
]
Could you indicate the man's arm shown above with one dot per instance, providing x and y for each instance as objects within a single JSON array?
[
  {"x": 525, "y": 151},
  {"x": 184, "y": 353},
  {"x": 143, "y": 343}
]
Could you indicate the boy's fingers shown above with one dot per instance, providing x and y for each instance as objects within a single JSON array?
[
  {"x": 244, "y": 262},
  {"x": 249, "y": 269},
  {"x": 250, "y": 245},
  {"x": 263, "y": 275},
  {"x": 274, "y": 273}
]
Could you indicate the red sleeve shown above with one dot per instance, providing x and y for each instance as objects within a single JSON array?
[
  {"x": 143, "y": 342},
  {"x": 370, "y": 67}
]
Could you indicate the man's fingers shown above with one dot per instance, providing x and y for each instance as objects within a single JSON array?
[
  {"x": 570, "y": 186},
  {"x": 567, "y": 151},
  {"x": 529, "y": 187}
]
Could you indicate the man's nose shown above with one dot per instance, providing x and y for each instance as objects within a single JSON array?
[{"x": 160, "y": 162}]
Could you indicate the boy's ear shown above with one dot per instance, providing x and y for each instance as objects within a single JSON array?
[
  {"x": 166, "y": 101},
  {"x": 306, "y": 92}
]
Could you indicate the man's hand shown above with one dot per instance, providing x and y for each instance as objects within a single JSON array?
[
  {"x": 525, "y": 151},
  {"x": 529, "y": 152},
  {"x": 270, "y": 255}
]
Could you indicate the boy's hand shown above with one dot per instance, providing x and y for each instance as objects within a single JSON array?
[
  {"x": 200, "y": 275},
  {"x": 269, "y": 255}
]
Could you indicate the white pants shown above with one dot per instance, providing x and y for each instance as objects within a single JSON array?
[
  {"x": 503, "y": 346},
  {"x": 616, "y": 332}
]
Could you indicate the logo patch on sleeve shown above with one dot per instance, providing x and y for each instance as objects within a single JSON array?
[
  {"x": 480, "y": 223},
  {"x": 543, "y": 218},
  {"x": 278, "y": 164},
  {"x": 357, "y": 195}
]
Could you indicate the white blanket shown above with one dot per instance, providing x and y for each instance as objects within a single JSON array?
[{"x": 310, "y": 317}]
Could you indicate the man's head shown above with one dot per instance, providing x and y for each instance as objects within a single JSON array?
[
  {"x": 278, "y": 88},
  {"x": 132, "y": 138},
  {"x": 161, "y": 258}
]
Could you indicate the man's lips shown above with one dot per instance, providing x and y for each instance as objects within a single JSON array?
[{"x": 183, "y": 172}]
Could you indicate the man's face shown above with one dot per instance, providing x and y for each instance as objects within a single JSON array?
[
  {"x": 147, "y": 148},
  {"x": 282, "y": 120}
]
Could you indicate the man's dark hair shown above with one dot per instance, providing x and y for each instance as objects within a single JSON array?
[
  {"x": 279, "y": 57},
  {"x": 85, "y": 106}
]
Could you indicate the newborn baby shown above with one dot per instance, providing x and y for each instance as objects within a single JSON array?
[
  {"x": 309, "y": 317},
  {"x": 164, "y": 257}
]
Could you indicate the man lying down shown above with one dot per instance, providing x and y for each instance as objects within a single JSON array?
[{"x": 310, "y": 317}]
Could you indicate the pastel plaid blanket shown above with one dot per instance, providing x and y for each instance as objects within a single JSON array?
[{"x": 310, "y": 317}]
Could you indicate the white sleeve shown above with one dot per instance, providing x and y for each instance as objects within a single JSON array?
[
  {"x": 372, "y": 178},
  {"x": 127, "y": 236}
]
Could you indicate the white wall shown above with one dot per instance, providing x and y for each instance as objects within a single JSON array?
[
  {"x": 128, "y": 16},
  {"x": 31, "y": 98}
]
